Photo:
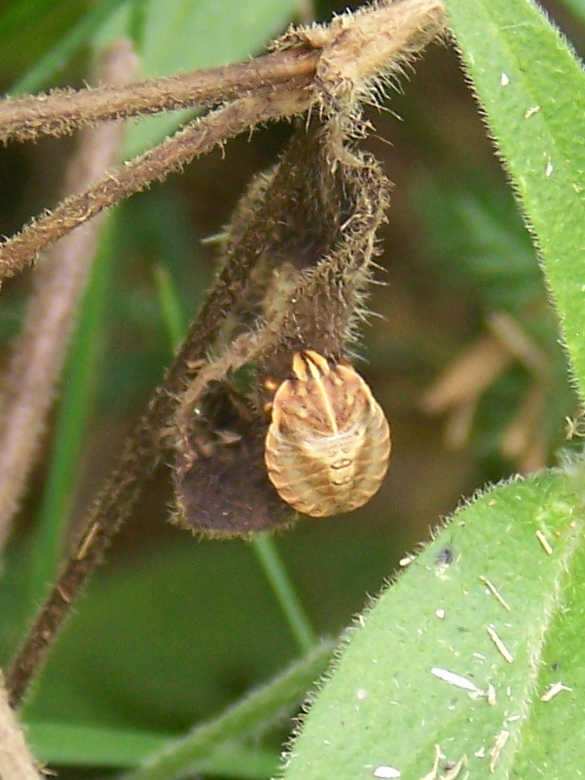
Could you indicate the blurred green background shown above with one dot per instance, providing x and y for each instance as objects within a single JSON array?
[{"x": 172, "y": 629}]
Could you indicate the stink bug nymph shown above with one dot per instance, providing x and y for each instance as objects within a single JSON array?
[{"x": 328, "y": 442}]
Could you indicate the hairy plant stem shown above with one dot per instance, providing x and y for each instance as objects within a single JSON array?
[
  {"x": 352, "y": 50},
  {"x": 197, "y": 138},
  {"x": 62, "y": 111},
  {"x": 353, "y": 46}
]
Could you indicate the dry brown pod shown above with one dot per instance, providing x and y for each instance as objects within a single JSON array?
[
  {"x": 328, "y": 444},
  {"x": 304, "y": 234}
]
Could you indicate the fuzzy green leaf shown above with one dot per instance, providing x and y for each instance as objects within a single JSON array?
[
  {"x": 532, "y": 91},
  {"x": 425, "y": 669}
]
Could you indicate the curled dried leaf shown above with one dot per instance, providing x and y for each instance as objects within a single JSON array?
[{"x": 301, "y": 247}]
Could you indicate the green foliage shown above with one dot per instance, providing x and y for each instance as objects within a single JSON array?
[
  {"x": 418, "y": 673},
  {"x": 477, "y": 238},
  {"x": 532, "y": 90},
  {"x": 61, "y": 52},
  {"x": 28, "y": 31},
  {"x": 419, "y": 669},
  {"x": 476, "y": 242}
]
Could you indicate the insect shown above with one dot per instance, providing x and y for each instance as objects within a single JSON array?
[{"x": 328, "y": 443}]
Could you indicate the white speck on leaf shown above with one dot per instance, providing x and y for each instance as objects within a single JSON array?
[
  {"x": 501, "y": 647},
  {"x": 554, "y": 690},
  {"x": 499, "y": 745},
  {"x": 544, "y": 543},
  {"x": 387, "y": 772},
  {"x": 491, "y": 696},
  {"x": 495, "y": 592},
  {"x": 457, "y": 680}
]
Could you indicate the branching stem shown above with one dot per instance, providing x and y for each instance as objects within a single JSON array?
[
  {"x": 199, "y": 137},
  {"x": 63, "y": 111}
]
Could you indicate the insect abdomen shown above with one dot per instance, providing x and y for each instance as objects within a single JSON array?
[{"x": 328, "y": 444}]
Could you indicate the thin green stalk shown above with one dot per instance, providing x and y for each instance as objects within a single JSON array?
[
  {"x": 173, "y": 316},
  {"x": 273, "y": 567},
  {"x": 70, "y": 427},
  {"x": 259, "y": 709},
  {"x": 50, "y": 63}
]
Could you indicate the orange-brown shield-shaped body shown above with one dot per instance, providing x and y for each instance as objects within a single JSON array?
[{"x": 328, "y": 444}]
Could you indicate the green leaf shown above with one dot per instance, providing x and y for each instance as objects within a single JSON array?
[
  {"x": 165, "y": 756},
  {"x": 64, "y": 744},
  {"x": 18, "y": 14},
  {"x": 62, "y": 50},
  {"x": 81, "y": 745},
  {"x": 199, "y": 617},
  {"x": 29, "y": 28},
  {"x": 532, "y": 92},
  {"x": 476, "y": 239},
  {"x": 425, "y": 669}
]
